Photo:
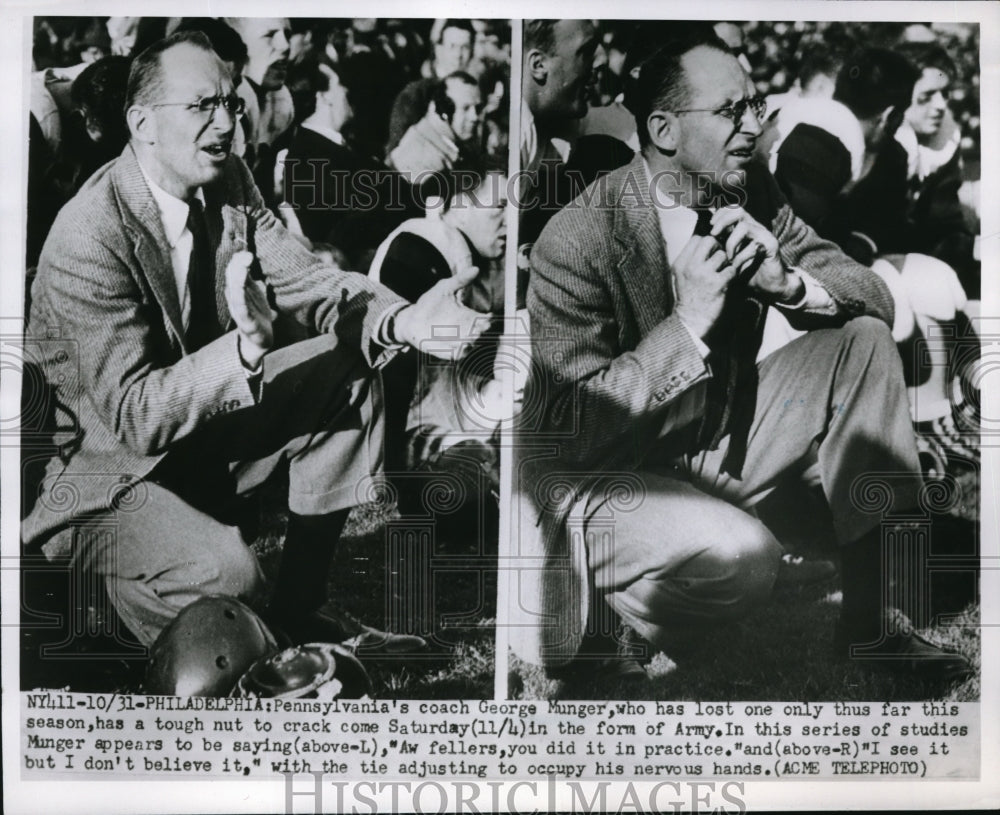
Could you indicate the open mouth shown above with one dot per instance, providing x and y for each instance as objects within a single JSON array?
[
  {"x": 218, "y": 151},
  {"x": 742, "y": 154}
]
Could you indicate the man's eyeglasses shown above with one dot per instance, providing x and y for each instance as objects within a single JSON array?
[
  {"x": 735, "y": 111},
  {"x": 232, "y": 104}
]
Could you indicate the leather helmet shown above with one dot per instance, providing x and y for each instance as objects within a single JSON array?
[
  {"x": 206, "y": 649},
  {"x": 319, "y": 670}
]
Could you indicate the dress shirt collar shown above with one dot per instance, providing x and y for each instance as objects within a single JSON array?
[
  {"x": 327, "y": 133},
  {"x": 677, "y": 221},
  {"x": 173, "y": 210}
]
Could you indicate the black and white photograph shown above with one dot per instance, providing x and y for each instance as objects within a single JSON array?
[
  {"x": 251, "y": 462},
  {"x": 751, "y": 432},
  {"x": 499, "y": 407}
]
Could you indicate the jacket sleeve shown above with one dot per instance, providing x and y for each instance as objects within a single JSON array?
[
  {"x": 602, "y": 403},
  {"x": 320, "y": 296},
  {"x": 94, "y": 299},
  {"x": 855, "y": 288}
]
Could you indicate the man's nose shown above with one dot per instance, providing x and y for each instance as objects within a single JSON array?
[
  {"x": 223, "y": 119},
  {"x": 280, "y": 43},
  {"x": 750, "y": 124}
]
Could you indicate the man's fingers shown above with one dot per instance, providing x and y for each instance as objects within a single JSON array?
[
  {"x": 702, "y": 248},
  {"x": 238, "y": 268},
  {"x": 687, "y": 251},
  {"x": 747, "y": 257},
  {"x": 452, "y": 284},
  {"x": 725, "y": 217},
  {"x": 737, "y": 236},
  {"x": 717, "y": 259},
  {"x": 726, "y": 274}
]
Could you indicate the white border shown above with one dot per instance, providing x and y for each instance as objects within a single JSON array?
[{"x": 243, "y": 796}]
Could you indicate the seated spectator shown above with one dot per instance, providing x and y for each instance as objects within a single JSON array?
[
  {"x": 457, "y": 100},
  {"x": 98, "y": 94},
  {"x": 931, "y": 138},
  {"x": 452, "y": 52},
  {"x": 321, "y": 167},
  {"x": 340, "y": 194},
  {"x": 844, "y": 173},
  {"x": 822, "y": 146},
  {"x": 269, "y": 108},
  {"x": 445, "y": 418},
  {"x": 817, "y": 78},
  {"x": 92, "y": 133}
]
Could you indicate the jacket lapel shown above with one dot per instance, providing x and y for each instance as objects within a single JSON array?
[
  {"x": 142, "y": 219},
  {"x": 643, "y": 264},
  {"x": 226, "y": 232}
]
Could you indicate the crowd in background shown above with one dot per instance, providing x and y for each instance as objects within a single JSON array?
[
  {"x": 397, "y": 103},
  {"x": 361, "y": 135},
  {"x": 420, "y": 97},
  {"x": 871, "y": 130}
]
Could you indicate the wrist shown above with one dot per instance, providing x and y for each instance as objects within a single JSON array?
[
  {"x": 250, "y": 353},
  {"x": 398, "y": 326},
  {"x": 794, "y": 289}
]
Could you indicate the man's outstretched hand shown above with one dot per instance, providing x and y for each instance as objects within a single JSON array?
[
  {"x": 437, "y": 323},
  {"x": 247, "y": 301}
]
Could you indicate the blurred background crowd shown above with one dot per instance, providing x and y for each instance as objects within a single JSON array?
[
  {"x": 399, "y": 99},
  {"x": 870, "y": 130},
  {"x": 779, "y": 53}
]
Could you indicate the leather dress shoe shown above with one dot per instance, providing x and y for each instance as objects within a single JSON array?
[
  {"x": 794, "y": 571},
  {"x": 339, "y": 627},
  {"x": 625, "y": 665},
  {"x": 906, "y": 652}
]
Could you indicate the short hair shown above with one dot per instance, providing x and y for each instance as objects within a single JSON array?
[
  {"x": 655, "y": 77},
  {"x": 461, "y": 76},
  {"x": 306, "y": 78},
  {"x": 818, "y": 59},
  {"x": 875, "y": 79},
  {"x": 467, "y": 176},
  {"x": 463, "y": 25},
  {"x": 100, "y": 89},
  {"x": 145, "y": 77},
  {"x": 928, "y": 55},
  {"x": 439, "y": 93},
  {"x": 225, "y": 40},
  {"x": 540, "y": 35}
]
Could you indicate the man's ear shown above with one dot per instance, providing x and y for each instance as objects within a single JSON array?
[
  {"x": 141, "y": 124},
  {"x": 537, "y": 65},
  {"x": 662, "y": 127}
]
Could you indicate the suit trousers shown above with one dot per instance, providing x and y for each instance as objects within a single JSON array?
[
  {"x": 681, "y": 551},
  {"x": 180, "y": 533}
]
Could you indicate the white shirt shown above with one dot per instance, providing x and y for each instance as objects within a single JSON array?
[
  {"x": 677, "y": 225},
  {"x": 173, "y": 217},
  {"x": 327, "y": 133},
  {"x": 534, "y": 152}
]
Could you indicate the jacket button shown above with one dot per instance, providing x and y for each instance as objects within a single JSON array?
[{"x": 659, "y": 396}]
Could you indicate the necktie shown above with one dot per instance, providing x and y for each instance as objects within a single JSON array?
[
  {"x": 732, "y": 391},
  {"x": 203, "y": 321},
  {"x": 703, "y": 226}
]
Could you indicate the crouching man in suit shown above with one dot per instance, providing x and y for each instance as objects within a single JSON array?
[
  {"x": 650, "y": 423},
  {"x": 166, "y": 274}
]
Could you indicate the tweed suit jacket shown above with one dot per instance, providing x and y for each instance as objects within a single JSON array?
[
  {"x": 105, "y": 326},
  {"x": 610, "y": 362}
]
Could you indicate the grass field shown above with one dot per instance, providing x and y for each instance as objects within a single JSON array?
[
  {"x": 783, "y": 651},
  {"x": 453, "y": 577},
  {"x": 403, "y": 576}
]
